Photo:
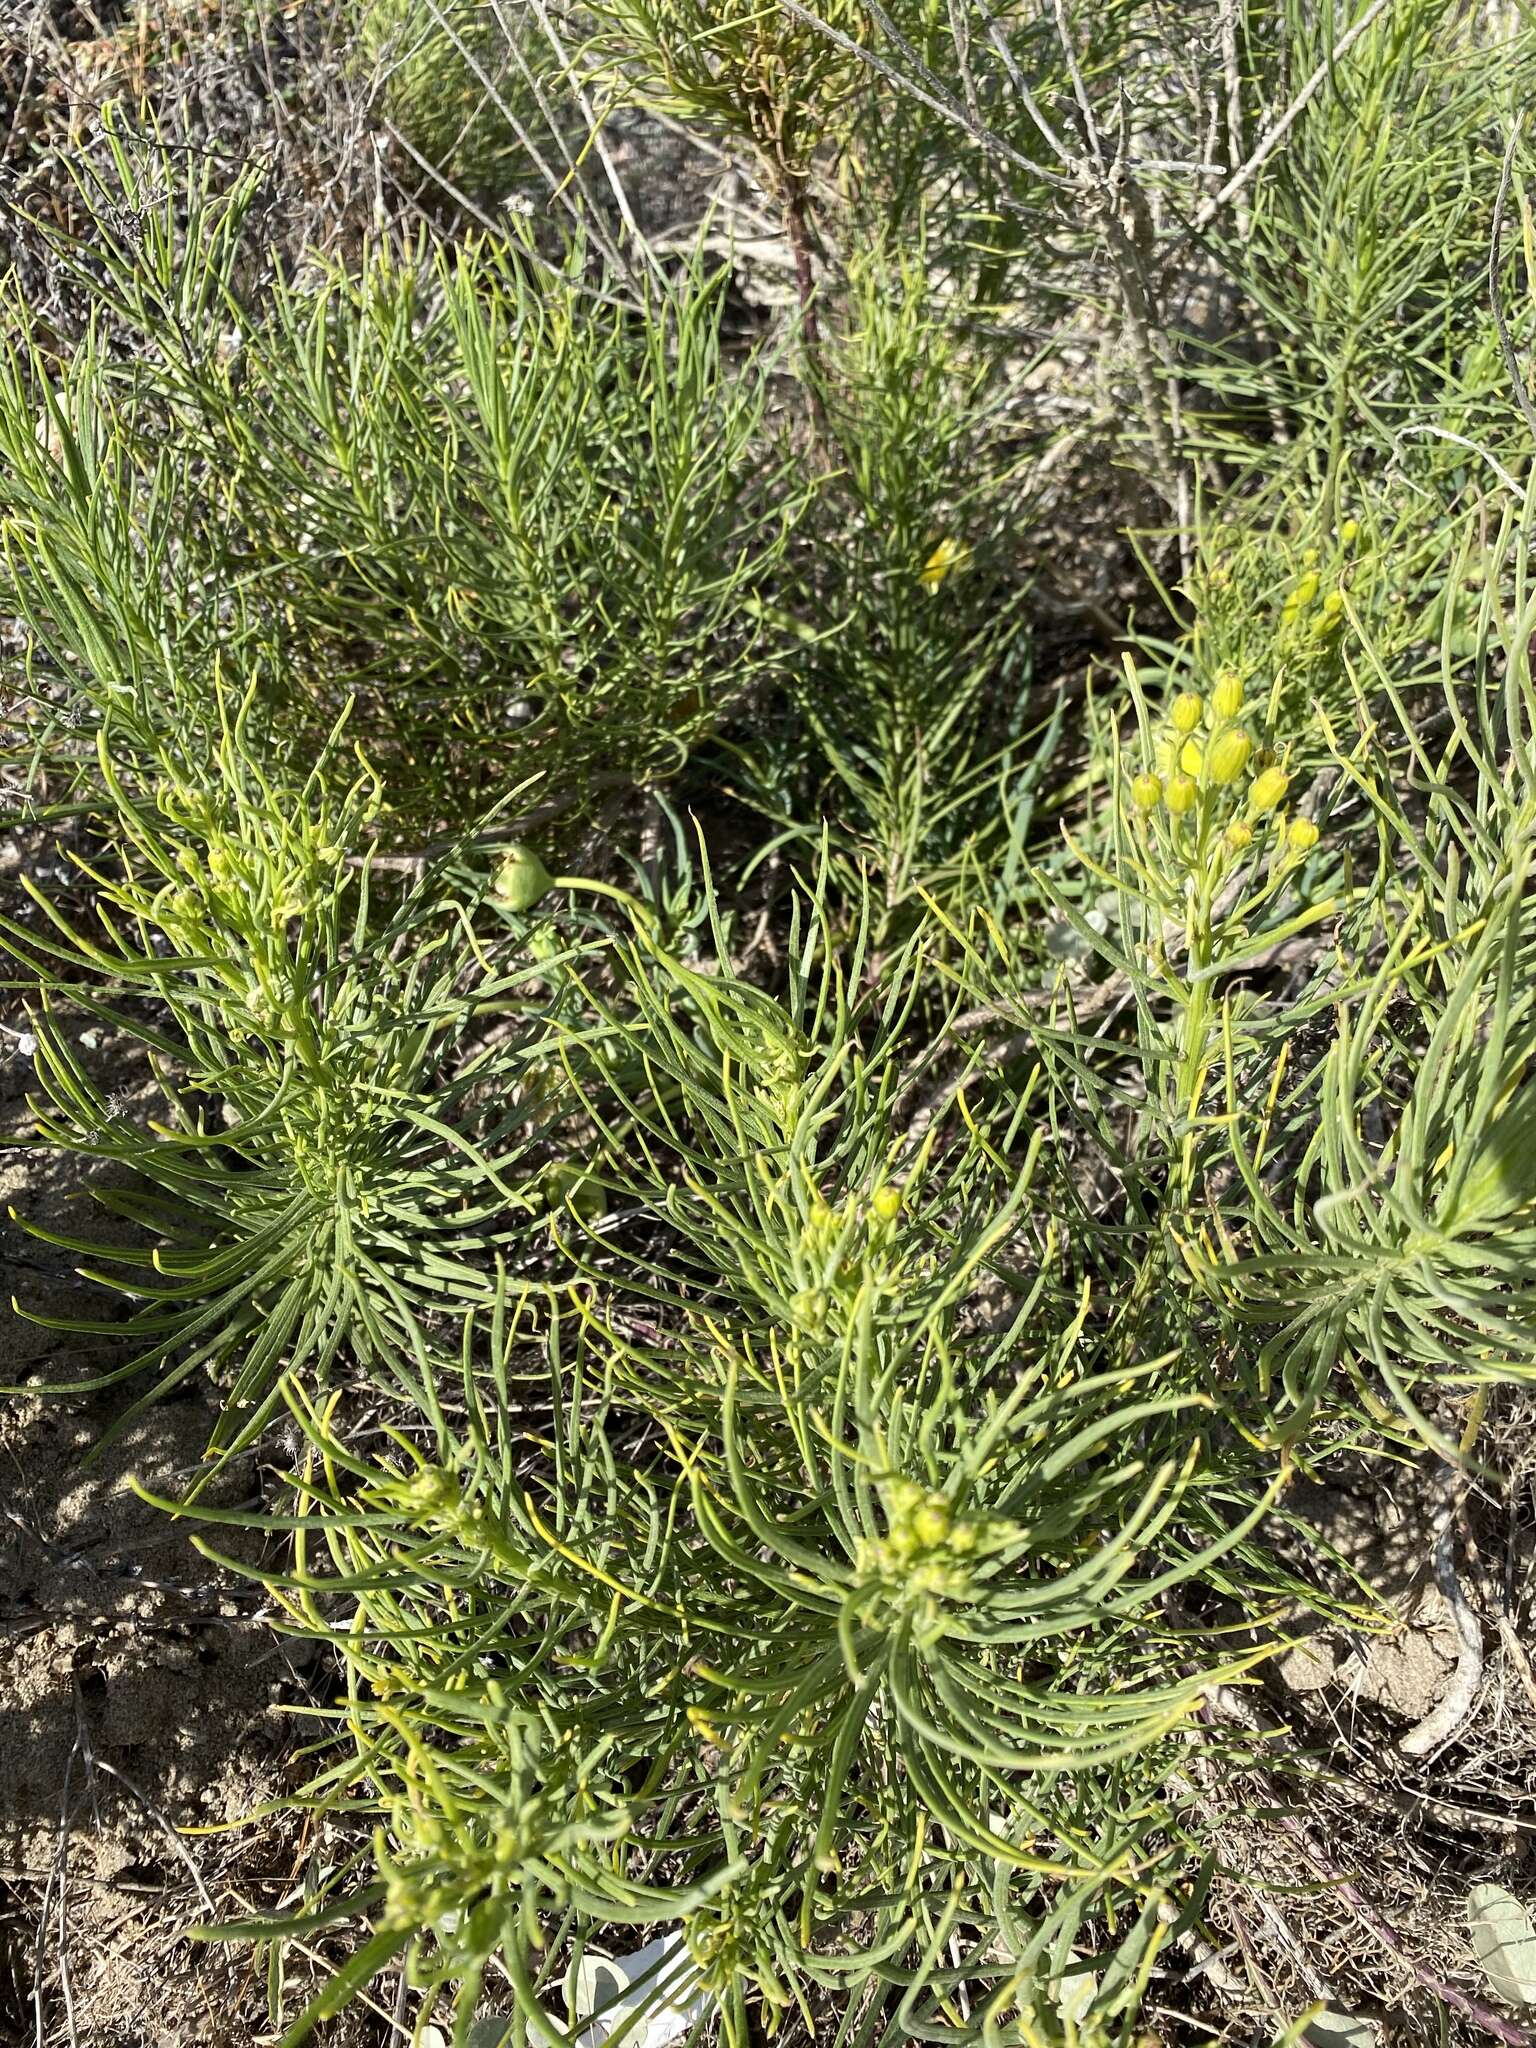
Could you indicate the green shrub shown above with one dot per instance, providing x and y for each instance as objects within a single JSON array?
[
  {"x": 790, "y": 1345},
  {"x": 340, "y": 1146},
  {"x": 519, "y": 531},
  {"x": 838, "y": 1623},
  {"x": 454, "y": 89}
]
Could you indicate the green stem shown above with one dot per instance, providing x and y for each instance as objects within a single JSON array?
[
  {"x": 1340, "y": 414},
  {"x": 641, "y": 910}
]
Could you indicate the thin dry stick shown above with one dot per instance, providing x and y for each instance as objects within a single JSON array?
[
  {"x": 1244, "y": 176},
  {"x": 798, "y": 230},
  {"x": 1462, "y": 441},
  {"x": 1028, "y": 102},
  {"x": 934, "y": 97},
  {"x": 1437, "y": 1728},
  {"x": 580, "y": 210},
  {"x": 1210, "y": 1961},
  {"x": 1285, "y": 1939},
  {"x": 960, "y": 36},
  {"x": 1232, "y": 80},
  {"x": 594, "y": 123},
  {"x": 165, "y": 1825},
  {"x": 1237, "y": 144},
  {"x": 1112, "y": 198},
  {"x": 1079, "y": 85},
  {"x": 439, "y": 178}
]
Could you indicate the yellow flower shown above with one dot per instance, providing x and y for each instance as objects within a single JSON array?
[
  {"x": 886, "y": 1202},
  {"x": 1147, "y": 792},
  {"x": 1186, "y": 711},
  {"x": 1227, "y": 755},
  {"x": 1190, "y": 756},
  {"x": 1302, "y": 836},
  {"x": 1180, "y": 794},
  {"x": 949, "y": 554},
  {"x": 1238, "y": 835},
  {"x": 1349, "y": 532},
  {"x": 1226, "y": 698},
  {"x": 1269, "y": 789}
]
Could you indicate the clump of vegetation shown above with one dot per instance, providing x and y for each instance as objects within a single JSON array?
[
  {"x": 457, "y": 93},
  {"x": 792, "y": 1147}
]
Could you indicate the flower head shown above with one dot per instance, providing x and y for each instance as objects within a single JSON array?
[
  {"x": 521, "y": 878},
  {"x": 1180, "y": 794},
  {"x": 949, "y": 554},
  {"x": 1226, "y": 698},
  {"x": 1147, "y": 791},
  {"x": 1302, "y": 835},
  {"x": 1227, "y": 755},
  {"x": 1269, "y": 787},
  {"x": 1186, "y": 711},
  {"x": 1303, "y": 595}
]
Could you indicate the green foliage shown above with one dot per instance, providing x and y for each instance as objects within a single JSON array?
[
  {"x": 1371, "y": 331},
  {"x": 337, "y": 1142},
  {"x": 453, "y": 88},
  {"x": 1401, "y": 1244},
  {"x": 517, "y": 530},
  {"x": 789, "y": 1342},
  {"x": 915, "y": 651},
  {"x": 876, "y": 1590},
  {"x": 760, "y": 73}
]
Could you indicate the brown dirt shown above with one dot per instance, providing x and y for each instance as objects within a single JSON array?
[
  {"x": 1405, "y": 1669},
  {"x": 1411, "y": 1834},
  {"x": 142, "y": 1692},
  {"x": 139, "y": 1693}
]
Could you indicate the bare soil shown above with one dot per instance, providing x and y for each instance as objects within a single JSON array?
[{"x": 144, "y": 1696}]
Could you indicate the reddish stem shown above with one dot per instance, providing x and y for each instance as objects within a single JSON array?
[{"x": 1491, "y": 2022}]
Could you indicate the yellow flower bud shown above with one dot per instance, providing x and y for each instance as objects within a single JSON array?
[
  {"x": 1147, "y": 792},
  {"x": 1227, "y": 755},
  {"x": 1303, "y": 594},
  {"x": 1186, "y": 711},
  {"x": 1302, "y": 836},
  {"x": 1180, "y": 794},
  {"x": 886, "y": 1202},
  {"x": 1226, "y": 697},
  {"x": 1190, "y": 755},
  {"x": 1269, "y": 789},
  {"x": 1238, "y": 835},
  {"x": 930, "y": 1523},
  {"x": 1349, "y": 532}
]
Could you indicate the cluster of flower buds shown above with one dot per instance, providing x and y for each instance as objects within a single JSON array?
[
  {"x": 1207, "y": 749},
  {"x": 926, "y": 1549}
]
